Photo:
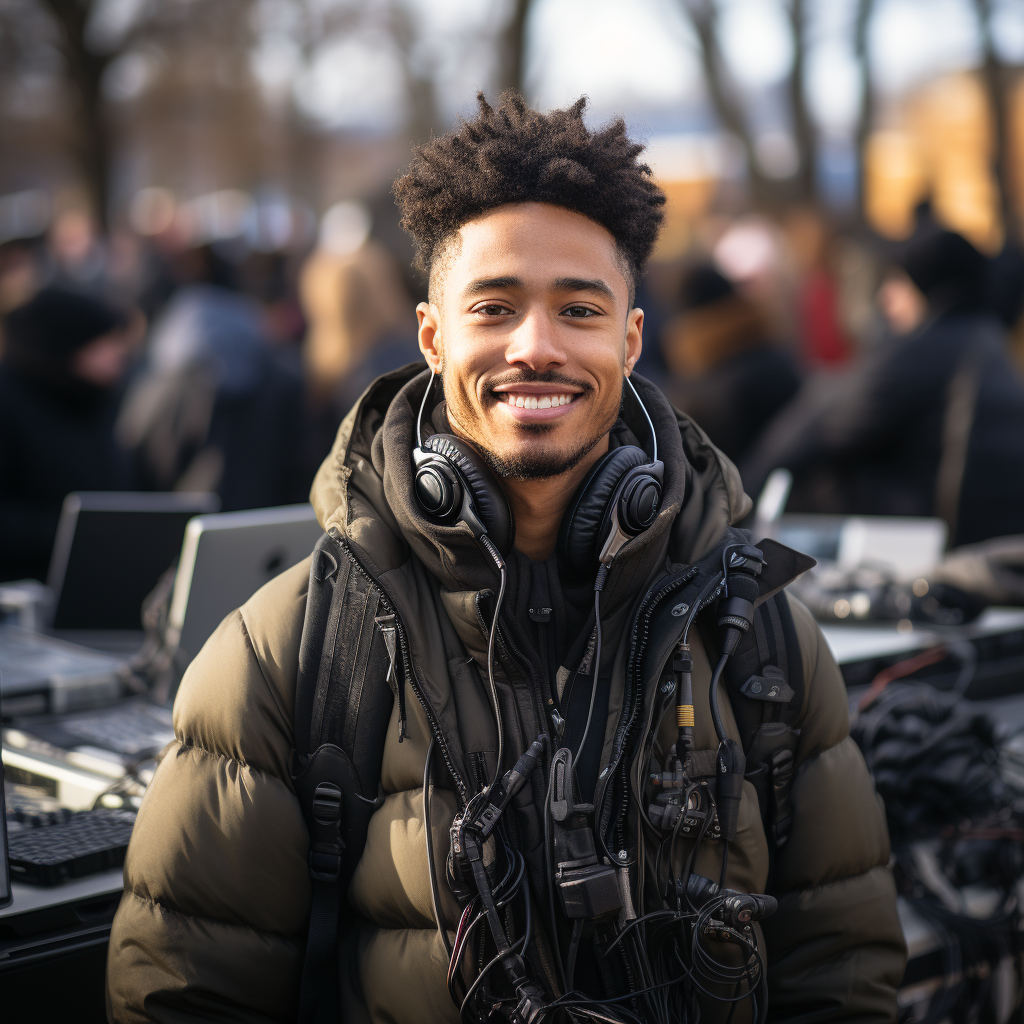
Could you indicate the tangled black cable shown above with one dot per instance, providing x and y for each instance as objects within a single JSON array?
[{"x": 504, "y": 893}]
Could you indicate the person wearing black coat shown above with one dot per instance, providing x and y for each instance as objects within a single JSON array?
[
  {"x": 725, "y": 370},
  {"x": 931, "y": 424},
  {"x": 64, "y": 355}
]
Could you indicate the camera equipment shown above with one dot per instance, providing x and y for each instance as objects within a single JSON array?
[
  {"x": 586, "y": 888},
  {"x": 681, "y": 796}
]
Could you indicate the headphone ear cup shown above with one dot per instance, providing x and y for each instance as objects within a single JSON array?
[
  {"x": 638, "y": 498},
  {"x": 438, "y": 488},
  {"x": 491, "y": 504},
  {"x": 587, "y": 518}
]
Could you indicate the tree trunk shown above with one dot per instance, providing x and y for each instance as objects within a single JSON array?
[
  {"x": 995, "y": 83},
  {"x": 85, "y": 76},
  {"x": 866, "y": 111},
  {"x": 803, "y": 128},
  {"x": 703, "y": 17},
  {"x": 513, "y": 49}
]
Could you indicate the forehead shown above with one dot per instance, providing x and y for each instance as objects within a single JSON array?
[{"x": 536, "y": 242}]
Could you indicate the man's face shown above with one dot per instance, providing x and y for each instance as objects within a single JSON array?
[{"x": 532, "y": 330}]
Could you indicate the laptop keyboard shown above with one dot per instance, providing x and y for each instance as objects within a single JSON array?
[{"x": 70, "y": 847}]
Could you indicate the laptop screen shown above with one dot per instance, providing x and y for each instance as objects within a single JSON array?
[{"x": 111, "y": 550}]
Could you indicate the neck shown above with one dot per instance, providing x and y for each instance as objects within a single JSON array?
[{"x": 538, "y": 505}]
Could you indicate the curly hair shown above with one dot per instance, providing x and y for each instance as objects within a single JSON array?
[{"x": 512, "y": 154}]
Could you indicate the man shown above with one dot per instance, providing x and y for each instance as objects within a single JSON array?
[
  {"x": 64, "y": 356},
  {"x": 534, "y": 230},
  {"x": 930, "y": 423}
]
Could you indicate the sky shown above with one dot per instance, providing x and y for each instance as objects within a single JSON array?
[{"x": 639, "y": 57}]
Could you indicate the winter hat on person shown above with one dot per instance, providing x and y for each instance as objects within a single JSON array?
[
  {"x": 55, "y": 323},
  {"x": 946, "y": 268},
  {"x": 701, "y": 286}
]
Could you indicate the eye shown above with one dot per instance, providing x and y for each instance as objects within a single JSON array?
[
  {"x": 493, "y": 309},
  {"x": 579, "y": 312}
]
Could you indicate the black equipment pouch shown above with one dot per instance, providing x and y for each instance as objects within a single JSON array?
[{"x": 343, "y": 704}]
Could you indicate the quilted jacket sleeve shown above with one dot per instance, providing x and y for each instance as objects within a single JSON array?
[
  {"x": 212, "y": 922},
  {"x": 835, "y": 944}
]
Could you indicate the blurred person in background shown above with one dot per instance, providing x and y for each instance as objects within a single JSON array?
[
  {"x": 725, "y": 370},
  {"x": 64, "y": 358},
  {"x": 823, "y": 341},
  {"x": 932, "y": 424},
  {"x": 359, "y": 313},
  {"x": 216, "y": 408},
  {"x": 1005, "y": 292}
]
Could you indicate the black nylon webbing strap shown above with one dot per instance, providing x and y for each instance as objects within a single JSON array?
[
  {"x": 325, "y": 851},
  {"x": 343, "y": 705}
]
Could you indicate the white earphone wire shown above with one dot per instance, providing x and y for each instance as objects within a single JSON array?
[
  {"x": 654, "y": 437},
  {"x": 423, "y": 405}
]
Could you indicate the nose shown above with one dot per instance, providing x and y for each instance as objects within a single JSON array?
[{"x": 534, "y": 343}]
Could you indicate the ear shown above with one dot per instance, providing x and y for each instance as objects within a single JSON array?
[
  {"x": 634, "y": 338},
  {"x": 429, "y": 334}
]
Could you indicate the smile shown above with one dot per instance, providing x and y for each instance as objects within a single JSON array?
[{"x": 522, "y": 401}]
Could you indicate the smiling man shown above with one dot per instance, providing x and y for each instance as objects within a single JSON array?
[{"x": 433, "y": 771}]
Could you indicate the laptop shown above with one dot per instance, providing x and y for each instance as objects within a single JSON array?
[
  {"x": 226, "y": 558},
  {"x": 5, "y": 866},
  {"x": 110, "y": 551},
  {"x": 41, "y": 674}
]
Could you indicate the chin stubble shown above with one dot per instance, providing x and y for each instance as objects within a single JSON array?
[
  {"x": 534, "y": 465},
  {"x": 541, "y": 465}
]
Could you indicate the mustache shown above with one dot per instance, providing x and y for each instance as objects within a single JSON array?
[{"x": 537, "y": 377}]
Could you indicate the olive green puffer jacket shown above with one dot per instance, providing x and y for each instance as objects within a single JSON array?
[{"x": 212, "y": 924}]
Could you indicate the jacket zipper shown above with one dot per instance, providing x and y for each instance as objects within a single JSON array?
[{"x": 410, "y": 674}]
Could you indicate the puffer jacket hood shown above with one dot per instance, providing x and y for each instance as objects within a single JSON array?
[{"x": 364, "y": 487}]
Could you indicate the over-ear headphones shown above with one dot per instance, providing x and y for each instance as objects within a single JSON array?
[{"x": 619, "y": 498}]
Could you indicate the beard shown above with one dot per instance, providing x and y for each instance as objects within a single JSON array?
[
  {"x": 540, "y": 465},
  {"x": 542, "y": 462}
]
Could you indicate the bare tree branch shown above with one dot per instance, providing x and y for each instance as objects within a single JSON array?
[
  {"x": 866, "y": 107},
  {"x": 703, "y": 15}
]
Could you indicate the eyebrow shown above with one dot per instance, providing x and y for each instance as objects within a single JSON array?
[
  {"x": 562, "y": 284},
  {"x": 485, "y": 284},
  {"x": 583, "y": 284}
]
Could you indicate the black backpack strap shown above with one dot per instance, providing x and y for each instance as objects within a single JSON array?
[
  {"x": 766, "y": 687},
  {"x": 343, "y": 703}
]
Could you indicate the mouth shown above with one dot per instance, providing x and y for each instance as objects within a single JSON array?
[{"x": 532, "y": 403}]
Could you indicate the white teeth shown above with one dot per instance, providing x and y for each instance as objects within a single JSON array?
[{"x": 533, "y": 402}]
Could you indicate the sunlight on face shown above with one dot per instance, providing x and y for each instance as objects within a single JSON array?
[{"x": 532, "y": 332}]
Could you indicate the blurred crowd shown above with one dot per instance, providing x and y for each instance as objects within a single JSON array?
[{"x": 885, "y": 377}]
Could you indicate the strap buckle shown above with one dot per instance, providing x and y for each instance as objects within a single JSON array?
[
  {"x": 324, "y": 862},
  {"x": 326, "y": 848},
  {"x": 327, "y": 803}
]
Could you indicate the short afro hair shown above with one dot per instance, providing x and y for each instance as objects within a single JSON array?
[{"x": 512, "y": 154}]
